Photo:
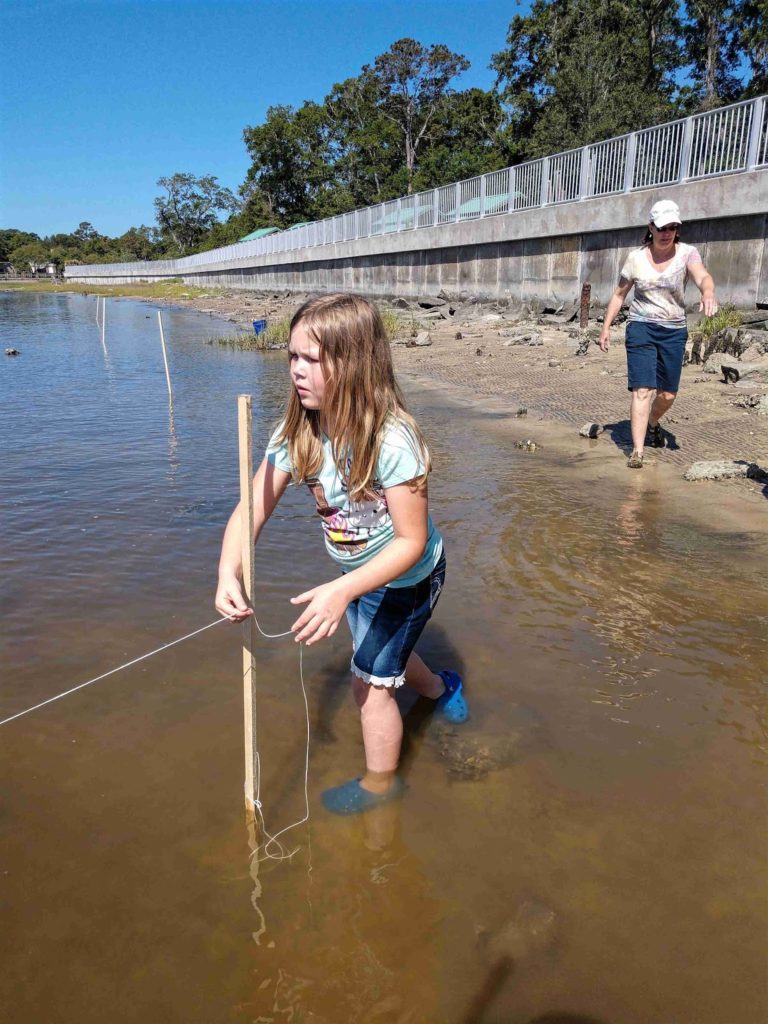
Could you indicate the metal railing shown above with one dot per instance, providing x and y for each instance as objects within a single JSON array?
[{"x": 729, "y": 140}]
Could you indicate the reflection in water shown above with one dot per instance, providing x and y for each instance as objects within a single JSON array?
[
  {"x": 173, "y": 444},
  {"x": 254, "y": 844}
]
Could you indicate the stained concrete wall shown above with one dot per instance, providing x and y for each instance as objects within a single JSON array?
[{"x": 545, "y": 253}]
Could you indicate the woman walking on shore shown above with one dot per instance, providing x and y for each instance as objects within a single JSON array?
[{"x": 657, "y": 330}]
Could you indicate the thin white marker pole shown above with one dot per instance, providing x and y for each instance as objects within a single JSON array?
[
  {"x": 97, "y": 308},
  {"x": 245, "y": 434},
  {"x": 104, "y": 322},
  {"x": 165, "y": 357}
]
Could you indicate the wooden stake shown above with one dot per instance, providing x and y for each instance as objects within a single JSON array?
[
  {"x": 165, "y": 357},
  {"x": 245, "y": 421},
  {"x": 586, "y": 290}
]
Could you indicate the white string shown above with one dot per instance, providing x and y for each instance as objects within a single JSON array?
[
  {"x": 113, "y": 670},
  {"x": 282, "y": 853}
]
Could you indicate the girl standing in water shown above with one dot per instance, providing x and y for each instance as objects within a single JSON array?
[{"x": 346, "y": 433}]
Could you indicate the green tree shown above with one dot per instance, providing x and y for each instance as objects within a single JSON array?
[
  {"x": 189, "y": 208},
  {"x": 712, "y": 48},
  {"x": 137, "y": 244},
  {"x": 292, "y": 175},
  {"x": 751, "y": 42},
  {"x": 85, "y": 232},
  {"x": 411, "y": 83},
  {"x": 467, "y": 139},
  {"x": 12, "y": 238},
  {"x": 26, "y": 255},
  {"x": 577, "y": 71},
  {"x": 366, "y": 144}
]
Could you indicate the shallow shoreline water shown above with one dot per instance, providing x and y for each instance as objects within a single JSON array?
[{"x": 612, "y": 635}]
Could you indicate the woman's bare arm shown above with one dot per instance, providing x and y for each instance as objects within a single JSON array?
[{"x": 615, "y": 303}]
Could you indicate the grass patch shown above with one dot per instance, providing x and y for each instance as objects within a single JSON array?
[
  {"x": 392, "y": 323},
  {"x": 275, "y": 336},
  {"x": 172, "y": 288},
  {"x": 726, "y": 316},
  {"x": 244, "y": 342},
  {"x": 277, "y": 333},
  {"x": 709, "y": 337}
]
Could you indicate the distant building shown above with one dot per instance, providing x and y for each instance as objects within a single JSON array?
[
  {"x": 258, "y": 233},
  {"x": 43, "y": 269}
]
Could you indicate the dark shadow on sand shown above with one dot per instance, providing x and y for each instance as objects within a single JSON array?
[{"x": 621, "y": 435}]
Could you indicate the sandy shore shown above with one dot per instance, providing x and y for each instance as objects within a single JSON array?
[{"x": 475, "y": 354}]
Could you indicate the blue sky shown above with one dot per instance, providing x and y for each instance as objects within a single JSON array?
[{"x": 100, "y": 98}]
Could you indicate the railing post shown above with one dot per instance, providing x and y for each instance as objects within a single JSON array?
[
  {"x": 544, "y": 193},
  {"x": 755, "y": 132},
  {"x": 586, "y": 173},
  {"x": 435, "y": 208},
  {"x": 511, "y": 188},
  {"x": 482, "y": 195},
  {"x": 457, "y": 200},
  {"x": 629, "y": 164},
  {"x": 685, "y": 150},
  {"x": 399, "y": 211}
]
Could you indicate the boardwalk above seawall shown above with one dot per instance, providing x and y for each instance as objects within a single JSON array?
[{"x": 538, "y": 230}]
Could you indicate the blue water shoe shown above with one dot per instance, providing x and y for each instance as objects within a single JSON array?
[
  {"x": 451, "y": 705},
  {"x": 351, "y": 798}
]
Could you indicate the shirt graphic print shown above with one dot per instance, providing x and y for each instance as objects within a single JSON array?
[
  {"x": 356, "y": 531},
  {"x": 659, "y": 294}
]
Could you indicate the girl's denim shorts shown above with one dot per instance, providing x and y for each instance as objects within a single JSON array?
[
  {"x": 386, "y": 624},
  {"x": 654, "y": 355}
]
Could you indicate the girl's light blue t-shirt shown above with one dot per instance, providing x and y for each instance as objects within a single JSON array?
[{"x": 356, "y": 531}]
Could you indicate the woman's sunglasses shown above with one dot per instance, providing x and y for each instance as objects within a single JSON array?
[{"x": 669, "y": 227}]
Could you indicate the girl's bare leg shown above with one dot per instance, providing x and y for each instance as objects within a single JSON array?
[
  {"x": 382, "y": 733},
  {"x": 422, "y": 679}
]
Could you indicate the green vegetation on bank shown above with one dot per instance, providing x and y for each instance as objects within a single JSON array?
[
  {"x": 568, "y": 73},
  {"x": 171, "y": 289},
  {"x": 278, "y": 332}
]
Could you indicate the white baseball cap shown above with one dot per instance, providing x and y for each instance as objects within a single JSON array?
[{"x": 665, "y": 212}]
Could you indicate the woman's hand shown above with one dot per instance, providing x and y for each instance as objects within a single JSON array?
[
  {"x": 612, "y": 310},
  {"x": 321, "y": 617},
  {"x": 708, "y": 305},
  {"x": 706, "y": 285},
  {"x": 230, "y": 600}
]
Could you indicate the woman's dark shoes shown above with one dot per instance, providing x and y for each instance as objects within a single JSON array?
[{"x": 654, "y": 437}]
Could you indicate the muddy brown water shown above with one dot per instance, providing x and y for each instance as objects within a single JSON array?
[{"x": 607, "y": 866}]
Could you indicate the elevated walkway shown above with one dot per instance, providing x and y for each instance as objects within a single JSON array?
[{"x": 539, "y": 229}]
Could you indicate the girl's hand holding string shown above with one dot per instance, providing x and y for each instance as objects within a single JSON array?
[
  {"x": 230, "y": 601},
  {"x": 321, "y": 617}
]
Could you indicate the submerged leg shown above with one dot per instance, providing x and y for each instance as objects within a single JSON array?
[{"x": 382, "y": 726}]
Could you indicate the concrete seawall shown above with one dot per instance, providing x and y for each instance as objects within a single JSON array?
[{"x": 545, "y": 253}]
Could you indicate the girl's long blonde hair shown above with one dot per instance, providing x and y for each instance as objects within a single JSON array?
[{"x": 361, "y": 394}]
